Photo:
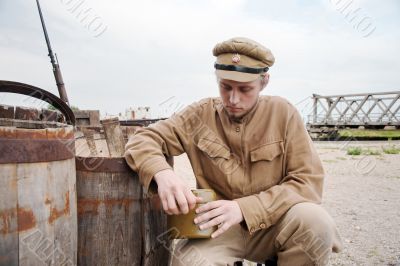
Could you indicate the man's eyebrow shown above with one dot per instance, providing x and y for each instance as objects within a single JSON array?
[
  {"x": 245, "y": 87},
  {"x": 224, "y": 84}
]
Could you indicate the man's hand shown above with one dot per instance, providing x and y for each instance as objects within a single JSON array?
[
  {"x": 224, "y": 213},
  {"x": 175, "y": 195}
]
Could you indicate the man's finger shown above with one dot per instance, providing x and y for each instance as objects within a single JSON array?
[
  {"x": 216, "y": 221},
  {"x": 164, "y": 203},
  {"x": 208, "y": 206},
  {"x": 172, "y": 204},
  {"x": 182, "y": 202},
  {"x": 222, "y": 229},
  {"x": 208, "y": 215},
  {"x": 191, "y": 199}
]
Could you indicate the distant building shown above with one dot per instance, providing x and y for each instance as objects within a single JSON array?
[{"x": 136, "y": 113}]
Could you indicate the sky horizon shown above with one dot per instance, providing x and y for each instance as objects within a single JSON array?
[{"x": 122, "y": 54}]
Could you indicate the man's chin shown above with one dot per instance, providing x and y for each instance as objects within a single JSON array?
[{"x": 236, "y": 115}]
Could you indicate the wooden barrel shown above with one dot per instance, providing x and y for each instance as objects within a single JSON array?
[
  {"x": 38, "y": 224},
  {"x": 118, "y": 224}
]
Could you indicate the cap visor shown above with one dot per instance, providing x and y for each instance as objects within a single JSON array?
[{"x": 236, "y": 76}]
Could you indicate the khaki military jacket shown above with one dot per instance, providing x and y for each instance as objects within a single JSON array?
[{"x": 265, "y": 161}]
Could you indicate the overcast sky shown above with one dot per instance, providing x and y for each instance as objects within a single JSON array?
[{"x": 129, "y": 53}]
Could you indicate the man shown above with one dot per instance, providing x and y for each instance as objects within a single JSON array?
[{"x": 256, "y": 154}]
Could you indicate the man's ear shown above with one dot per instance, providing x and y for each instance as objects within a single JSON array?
[{"x": 264, "y": 80}]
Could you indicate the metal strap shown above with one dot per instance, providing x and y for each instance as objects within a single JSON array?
[{"x": 35, "y": 92}]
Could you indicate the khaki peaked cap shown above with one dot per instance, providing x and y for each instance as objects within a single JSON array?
[{"x": 242, "y": 59}]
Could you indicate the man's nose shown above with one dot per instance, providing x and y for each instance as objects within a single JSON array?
[{"x": 234, "y": 97}]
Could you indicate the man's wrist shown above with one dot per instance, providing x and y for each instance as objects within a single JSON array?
[
  {"x": 240, "y": 210},
  {"x": 160, "y": 174}
]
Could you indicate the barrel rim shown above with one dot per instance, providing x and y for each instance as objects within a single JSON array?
[
  {"x": 17, "y": 123},
  {"x": 52, "y": 133}
]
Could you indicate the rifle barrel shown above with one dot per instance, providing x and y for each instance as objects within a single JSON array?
[{"x": 56, "y": 67}]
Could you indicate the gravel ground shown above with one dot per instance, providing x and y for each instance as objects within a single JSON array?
[{"x": 362, "y": 193}]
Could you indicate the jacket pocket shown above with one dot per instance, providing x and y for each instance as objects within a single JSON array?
[
  {"x": 266, "y": 166},
  {"x": 215, "y": 162},
  {"x": 267, "y": 152}
]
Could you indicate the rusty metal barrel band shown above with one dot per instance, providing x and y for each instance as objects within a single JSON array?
[
  {"x": 102, "y": 164},
  {"x": 33, "y": 151}
]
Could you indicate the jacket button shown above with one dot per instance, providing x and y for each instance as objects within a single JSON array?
[
  {"x": 237, "y": 129},
  {"x": 262, "y": 225}
]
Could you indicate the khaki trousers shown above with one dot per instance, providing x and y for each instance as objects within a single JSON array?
[{"x": 305, "y": 235}]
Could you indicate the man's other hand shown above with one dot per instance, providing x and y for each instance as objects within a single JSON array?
[
  {"x": 175, "y": 195},
  {"x": 223, "y": 213}
]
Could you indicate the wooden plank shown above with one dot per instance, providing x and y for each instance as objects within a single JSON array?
[
  {"x": 128, "y": 131},
  {"x": 64, "y": 214},
  {"x": 25, "y": 113},
  {"x": 36, "y": 235},
  {"x": 6, "y": 111},
  {"x": 46, "y": 192},
  {"x": 101, "y": 145},
  {"x": 87, "y": 117},
  {"x": 90, "y": 141},
  {"x": 109, "y": 218},
  {"x": 49, "y": 115},
  {"x": 156, "y": 244},
  {"x": 115, "y": 138},
  {"x": 94, "y": 117},
  {"x": 8, "y": 215}
]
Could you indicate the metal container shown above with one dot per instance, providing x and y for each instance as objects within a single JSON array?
[
  {"x": 119, "y": 224},
  {"x": 183, "y": 226},
  {"x": 38, "y": 224}
]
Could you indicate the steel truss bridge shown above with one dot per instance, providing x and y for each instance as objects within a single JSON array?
[{"x": 371, "y": 110}]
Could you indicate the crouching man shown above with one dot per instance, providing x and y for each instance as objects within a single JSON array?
[{"x": 256, "y": 154}]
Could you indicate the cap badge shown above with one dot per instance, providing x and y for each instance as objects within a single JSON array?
[{"x": 236, "y": 58}]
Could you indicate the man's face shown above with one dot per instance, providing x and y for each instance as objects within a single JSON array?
[{"x": 238, "y": 98}]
